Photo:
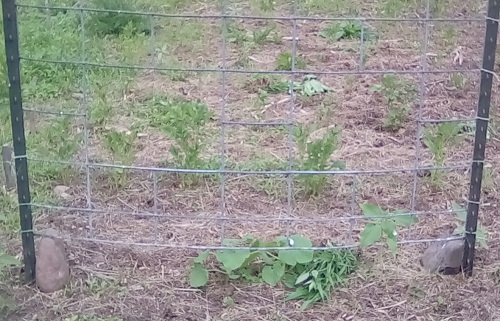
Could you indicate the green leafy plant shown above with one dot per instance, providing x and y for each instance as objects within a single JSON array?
[
  {"x": 314, "y": 155},
  {"x": 271, "y": 84},
  {"x": 260, "y": 36},
  {"x": 184, "y": 122},
  {"x": 347, "y": 30},
  {"x": 7, "y": 261},
  {"x": 240, "y": 35},
  {"x": 121, "y": 146},
  {"x": 313, "y": 274},
  {"x": 284, "y": 62},
  {"x": 310, "y": 86},
  {"x": 115, "y": 23},
  {"x": 437, "y": 138},
  {"x": 383, "y": 227},
  {"x": 7, "y": 304},
  {"x": 461, "y": 214},
  {"x": 266, "y": 5},
  {"x": 399, "y": 95}
]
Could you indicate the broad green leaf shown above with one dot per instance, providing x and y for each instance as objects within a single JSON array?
[
  {"x": 341, "y": 165},
  {"x": 289, "y": 280},
  {"x": 388, "y": 227},
  {"x": 459, "y": 211},
  {"x": 8, "y": 260},
  {"x": 232, "y": 259},
  {"x": 201, "y": 257},
  {"x": 393, "y": 245},
  {"x": 303, "y": 277},
  {"x": 372, "y": 210},
  {"x": 232, "y": 242},
  {"x": 482, "y": 237},
  {"x": 265, "y": 258},
  {"x": 339, "y": 35},
  {"x": 198, "y": 276},
  {"x": 292, "y": 257},
  {"x": 371, "y": 234},
  {"x": 273, "y": 274},
  {"x": 405, "y": 220}
]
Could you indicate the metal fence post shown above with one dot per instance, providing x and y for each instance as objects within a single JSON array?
[
  {"x": 482, "y": 119},
  {"x": 19, "y": 140}
]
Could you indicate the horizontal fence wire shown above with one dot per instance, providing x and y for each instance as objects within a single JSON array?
[
  {"x": 249, "y": 17},
  {"x": 250, "y": 72}
]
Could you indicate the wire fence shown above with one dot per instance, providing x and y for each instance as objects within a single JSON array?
[{"x": 88, "y": 202}]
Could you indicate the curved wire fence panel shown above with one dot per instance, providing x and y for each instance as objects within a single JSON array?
[{"x": 185, "y": 125}]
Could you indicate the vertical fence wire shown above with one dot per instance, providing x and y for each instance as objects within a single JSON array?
[
  {"x": 421, "y": 104},
  {"x": 223, "y": 90},
  {"x": 86, "y": 133},
  {"x": 291, "y": 120}
]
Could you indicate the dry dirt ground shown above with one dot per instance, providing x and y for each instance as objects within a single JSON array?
[{"x": 149, "y": 283}]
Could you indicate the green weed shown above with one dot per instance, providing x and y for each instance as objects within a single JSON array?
[
  {"x": 437, "y": 138},
  {"x": 449, "y": 35},
  {"x": 457, "y": 81},
  {"x": 264, "y": 5},
  {"x": 347, "y": 30},
  {"x": 114, "y": 23},
  {"x": 271, "y": 84},
  {"x": 399, "y": 95},
  {"x": 184, "y": 122},
  {"x": 284, "y": 62},
  {"x": 312, "y": 274},
  {"x": 261, "y": 36},
  {"x": 100, "y": 110},
  {"x": 461, "y": 215},
  {"x": 121, "y": 146},
  {"x": 310, "y": 86},
  {"x": 240, "y": 35},
  {"x": 383, "y": 227},
  {"x": 314, "y": 155},
  {"x": 7, "y": 303},
  {"x": 338, "y": 7},
  {"x": 9, "y": 216},
  {"x": 396, "y": 8}
]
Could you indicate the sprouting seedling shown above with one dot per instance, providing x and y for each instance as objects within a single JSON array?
[
  {"x": 284, "y": 61},
  {"x": 347, "y": 30},
  {"x": 383, "y": 226},
  {"x": 461, "y": 214},
  {"x": 398, "y": 95}
]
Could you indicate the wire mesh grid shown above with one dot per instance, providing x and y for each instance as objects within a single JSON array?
[{"x": 410, "y": 175}]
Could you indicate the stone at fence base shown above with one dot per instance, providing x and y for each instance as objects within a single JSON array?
[
  {"x": 444, "y": 257},
  {"x": 52, "y": 267}
]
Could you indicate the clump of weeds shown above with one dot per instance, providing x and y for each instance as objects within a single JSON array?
[
  {"x": 184, "y": 121},
  {"x": 313, "y": 275},
  {"x": 399, "y": 96},
  {"x": 314, "y": 154}
]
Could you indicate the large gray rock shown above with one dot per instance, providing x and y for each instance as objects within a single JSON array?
[
  {"x": 444, "y": 257},
  {"x": 52, "y": 267}
]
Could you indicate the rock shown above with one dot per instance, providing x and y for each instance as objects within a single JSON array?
[
  {"x": 52, "y": 267},
  {"x": 444, "y": 257}
]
